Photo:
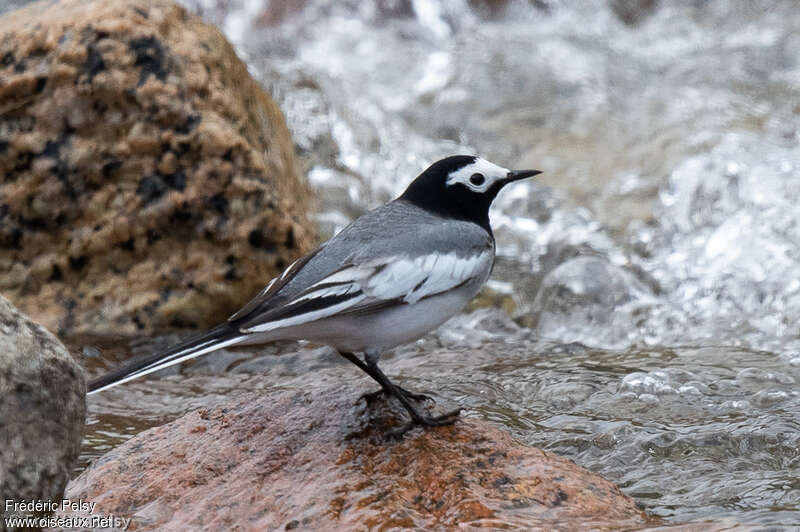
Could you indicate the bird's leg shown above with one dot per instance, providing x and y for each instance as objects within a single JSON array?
[
  {"x": 369, "y": 397},
  {"x": 417, "y": 417}
]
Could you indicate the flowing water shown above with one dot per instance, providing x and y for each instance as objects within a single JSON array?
[{"x": 652, "y": 272}]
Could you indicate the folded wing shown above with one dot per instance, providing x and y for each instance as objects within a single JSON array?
[{"x": 387, "y": 281}]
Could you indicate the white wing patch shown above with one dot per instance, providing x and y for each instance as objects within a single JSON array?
[{"x": 386, "y": 279}]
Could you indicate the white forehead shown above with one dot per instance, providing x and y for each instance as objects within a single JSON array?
[{"x": 490, "y": 171}]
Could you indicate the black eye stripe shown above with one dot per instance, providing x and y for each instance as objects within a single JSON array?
[{"x": 477, "y": 179}]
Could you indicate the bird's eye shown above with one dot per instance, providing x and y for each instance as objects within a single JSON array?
[{"x": 477, "y": 179}]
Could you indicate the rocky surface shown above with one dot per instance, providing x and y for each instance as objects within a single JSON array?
[
  {"x": 42, "y": 411},
  {"x": 148, "y": 181},
  {"x": 320, "y": 460}
]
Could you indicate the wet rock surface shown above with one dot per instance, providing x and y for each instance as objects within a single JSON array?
[
  {"x": 42, "y": 412},
  {"x": 288, "y": 459},
  {"x": 148, "y": 181}
]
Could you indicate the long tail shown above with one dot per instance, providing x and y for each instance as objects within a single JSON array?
[{"x": 216, "y": 338}]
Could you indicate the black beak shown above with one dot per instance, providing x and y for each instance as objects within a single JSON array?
[{"x": 516, "y": 175}]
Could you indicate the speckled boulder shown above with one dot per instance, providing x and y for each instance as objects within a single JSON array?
[
  {"x": 146, "y": 180},
  {"x": 319, "y": 460},
  {"x": 42, "y": 412}
]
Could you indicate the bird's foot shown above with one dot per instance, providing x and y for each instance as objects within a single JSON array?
[
  {"x": 419, "y": 420},
  {"x": 372, "y": 396}
]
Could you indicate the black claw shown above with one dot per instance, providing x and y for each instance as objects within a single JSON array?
[
  {"x": 417, "y": 396},
  {"x": 425, "y": 421},
  {"x": 371, "y": 396},
  {"x": 420, "y": 397}
]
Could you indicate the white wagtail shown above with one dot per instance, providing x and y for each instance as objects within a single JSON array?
[{"x": 386, "y": 279}]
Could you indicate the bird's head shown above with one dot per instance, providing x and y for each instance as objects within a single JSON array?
[{"x": 462, "y": 187}]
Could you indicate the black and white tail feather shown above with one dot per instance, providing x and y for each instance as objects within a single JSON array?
[
  {"x": 216, "y": 338},
  {"x": 223, "y": 335}
]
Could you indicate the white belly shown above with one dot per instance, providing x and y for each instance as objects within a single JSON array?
[{"x": 381, "y": 330}]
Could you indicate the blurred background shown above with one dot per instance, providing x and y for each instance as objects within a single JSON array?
[{"x": 652, "y": 271}]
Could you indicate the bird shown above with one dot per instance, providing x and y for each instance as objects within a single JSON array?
[{"x": 388, "y": 278}]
